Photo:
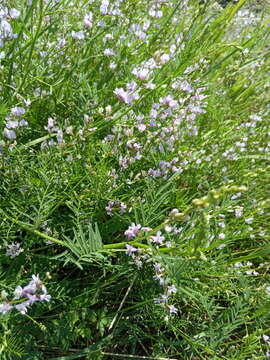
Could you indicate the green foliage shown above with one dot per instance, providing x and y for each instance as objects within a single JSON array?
[{"x": 188, "y": 157}]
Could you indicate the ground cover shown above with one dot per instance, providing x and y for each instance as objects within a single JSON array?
[{"x": 134, "y": 164}]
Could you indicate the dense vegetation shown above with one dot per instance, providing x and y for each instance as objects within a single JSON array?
[{"x": 134, "y": 164}]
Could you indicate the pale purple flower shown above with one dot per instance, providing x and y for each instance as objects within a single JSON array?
[
  {"x": 123, "y": 162},
  {"x": 155, "y": 13},
  {"x": 169, "y": 101},
  {"x": 123, "y": 95},
  {"x": 12, "y": 124},
  {"x": 185, "y": 86},
  {"x": 132, "y": 86},
  {"x": 108, "y": 52},
  {"x": 236, "y": 196},
  {"x": 138, "y": 262},
  {"x": 168, "y": 244},
  {"x": 103, "y": 9},
  {"x": 164, "y": 298},
  {"x": 108, "y": 37},
  {"x": 112, "y": 65},
  {"x": 132, "y": 231},
  {"x": 14, "y": 250},
  {"x": 79, "y": 35},
  {"x": 17, "y": 292},
  {"x": 172, "y": 289},
  {"x": 59, "y": 136},
  {"x": 14, "y": 13},
  {"x": 130, "y": 250},
  {"x": 238, "y": 212},
  {"x": 17, "y": 111},
  {"x": 142, "y": 74},
  {"x": 164, "y": 58},
  {"x": 159, "y": 278},
  {"x": 31, "y": 293},
  {"x": 173, "y": 309},
  {"x": 221, "y": 236},
  {"x": 88, "y": 20},
  {"x": 5, "y": 307},
  {"x": 22, "y": 307},
  {"x": 150, "y": 85},
  {"x": 6, "y": 31},
  {"x": 23, "y": 122},
  {"x": 146, "y": 229},
  {"x": 61, "y": 43},
  {"x": 109, "y": 208},
  {"x": 266, "y": 338},
  {"x": 36, "y": 280},
  {"x": 221, "y": 246},
  {"x": 252, "y": 272},
  {"x": 157, "y": 267},
  {"x": 123, "y": 208},
  {"x": 141, "y": 127},
  {"x": 158, "y": 238}
]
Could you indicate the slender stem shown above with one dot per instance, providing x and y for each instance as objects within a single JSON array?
[
  {"x": 34, "y": 231},
  {"x": 32, "y": 47}
]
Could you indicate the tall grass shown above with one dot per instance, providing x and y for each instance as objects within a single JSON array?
[{"x": 134, "y": 163}]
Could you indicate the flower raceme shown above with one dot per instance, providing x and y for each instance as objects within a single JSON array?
[
  {"x": 33, "y": 292},
  {"x": 139, "y": 257}
]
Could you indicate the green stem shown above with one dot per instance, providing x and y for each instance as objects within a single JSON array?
[
  {"x": 33, "y": 231},
  {"x": 32, "y": 48}
]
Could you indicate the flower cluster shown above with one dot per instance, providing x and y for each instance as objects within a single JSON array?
[
  {"x": 246, "y": 267},
  {"x": 14, "y": 121},
  {"x": 26, "y": 296},
  {"x": 14, "y": 250},
  {"x": 132, "y": 231},
  {"x": 165, "y": 126},
  {"x": 116, "y": 205},
  {"x": 53, "y": 129},
  {"x": 168, "y": 289},
  {"x": 129, "y": 95},
  {"x": 6, "y": 31},
  {"x": 266, "y": 340},
  {"x": 139, "y": 257}
]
